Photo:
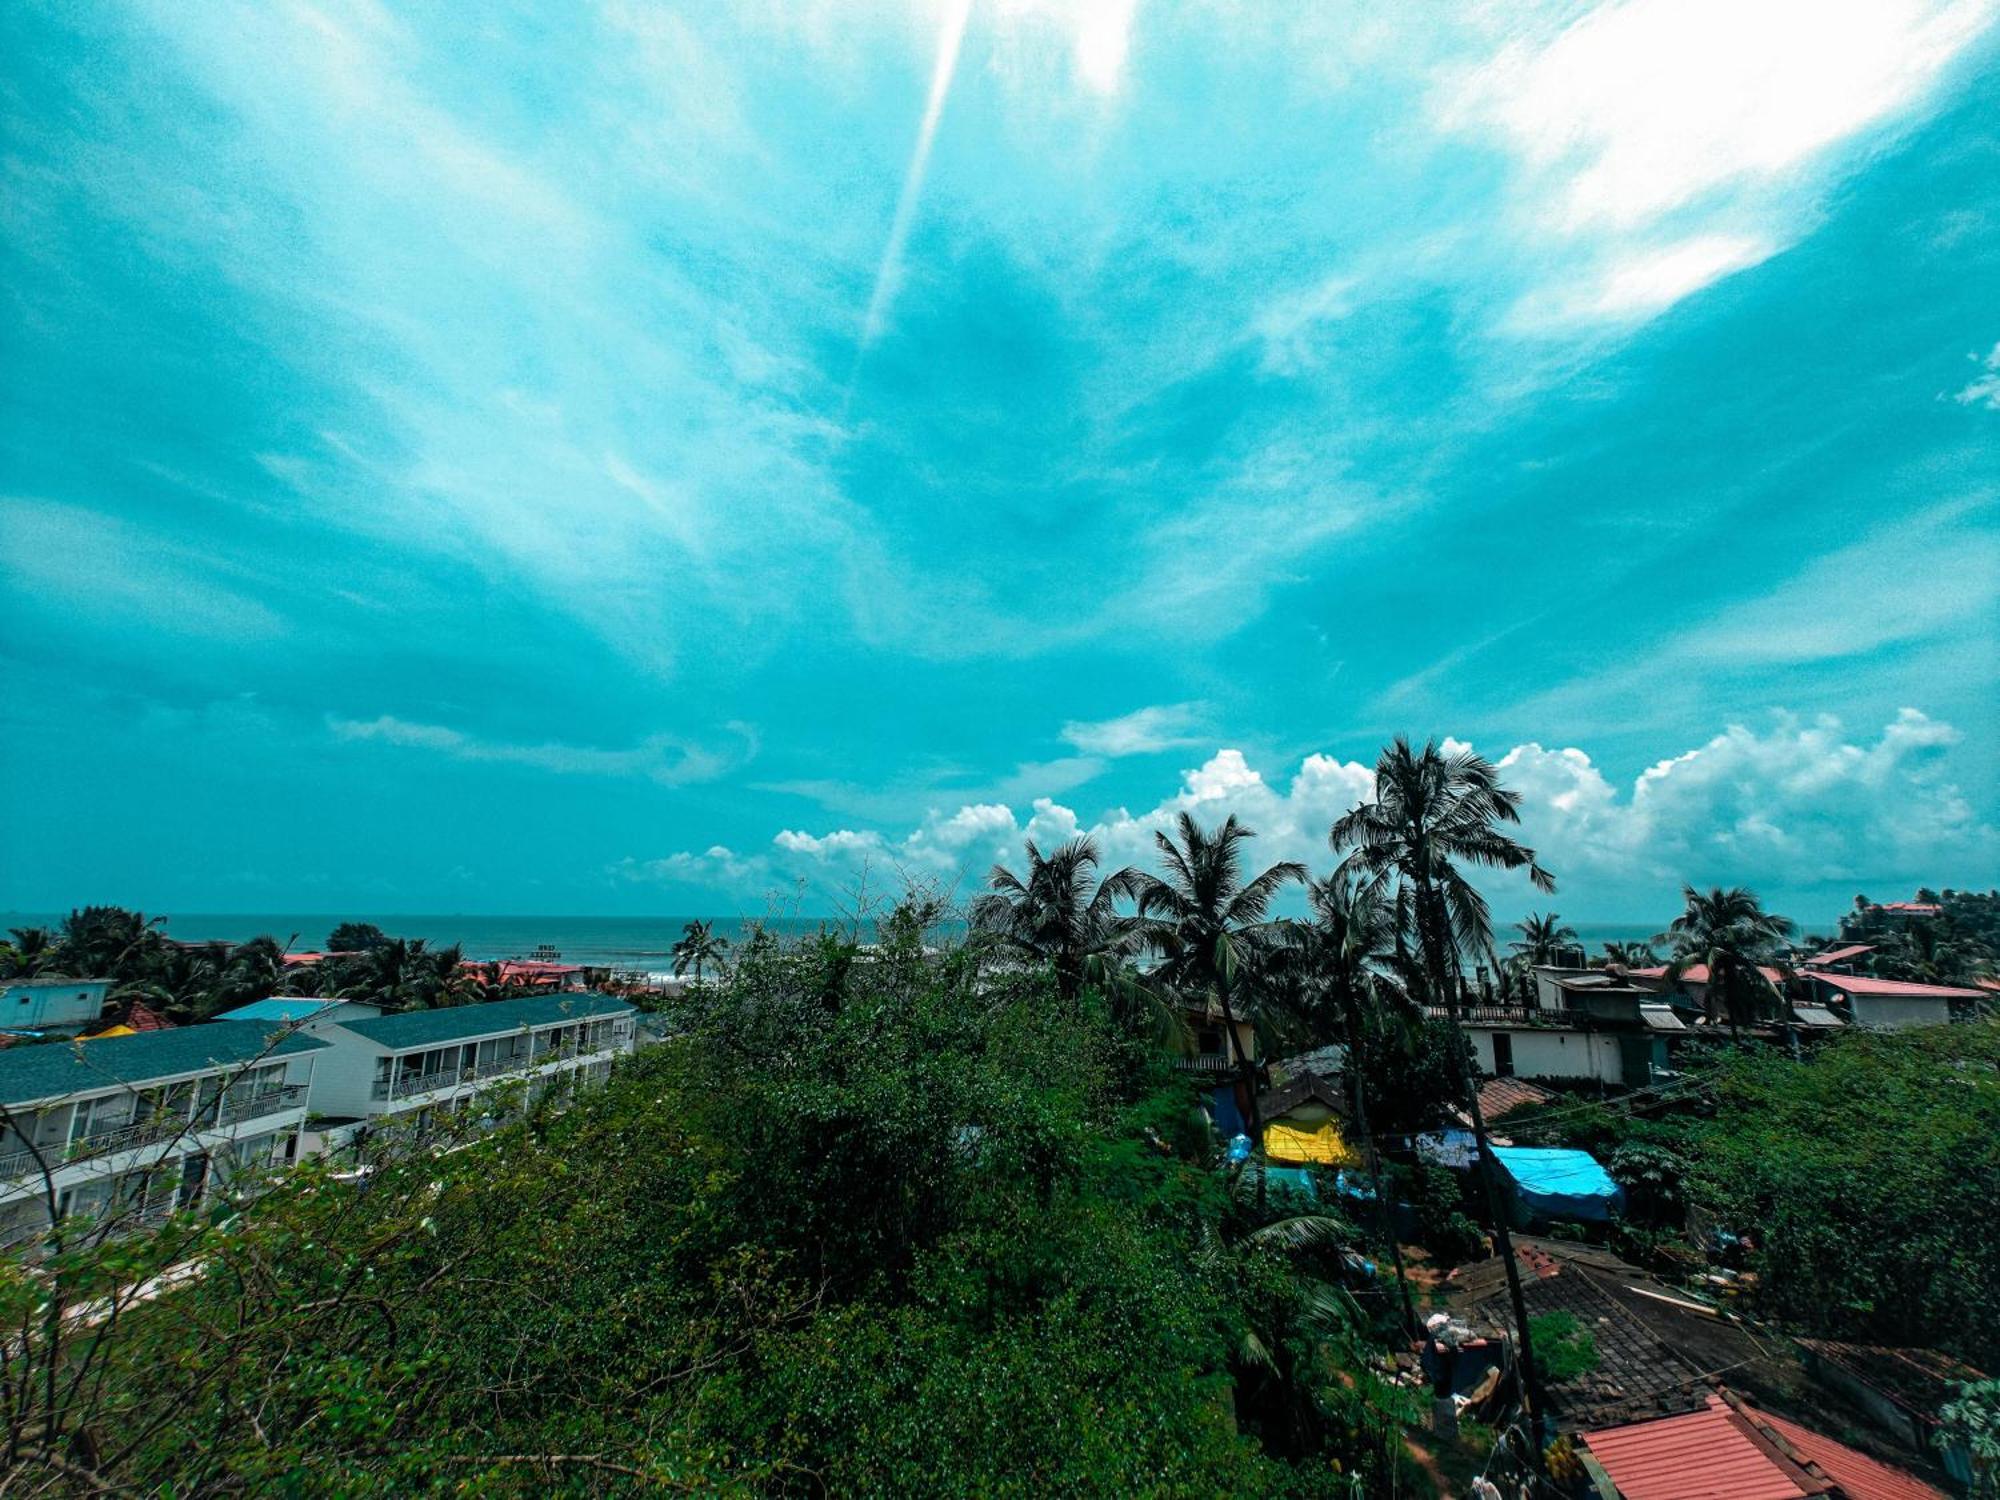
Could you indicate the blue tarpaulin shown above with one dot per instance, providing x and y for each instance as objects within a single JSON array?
[{"x": 1551, "y": 1183}]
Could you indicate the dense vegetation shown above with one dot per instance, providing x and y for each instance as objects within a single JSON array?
[
  {"x": 902, "y": 1219},
  {"x": 1862, "y": 1176},
  {"x": 869, "y": 1226},
  {"x": 190, "y": 982}
]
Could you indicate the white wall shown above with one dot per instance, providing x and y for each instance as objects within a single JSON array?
[
  {"x": 1541, "y": 1052},
  {"x": 1892, "y": 1011}
]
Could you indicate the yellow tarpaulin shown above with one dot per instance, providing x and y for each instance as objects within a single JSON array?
[{"x": 1320, "y": 1143}]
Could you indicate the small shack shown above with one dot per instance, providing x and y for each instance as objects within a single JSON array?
[
  {"x": 1550, "y": 1183},
  {"x": 1303, "y": 1123}
]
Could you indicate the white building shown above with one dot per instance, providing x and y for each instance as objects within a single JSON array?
[
  {"x": 1892, "y": 1003},
  {"x": 37, "y": 1005},
  {"x": 411, "y": 1065},
  {"x": 137, "y": 1126}
]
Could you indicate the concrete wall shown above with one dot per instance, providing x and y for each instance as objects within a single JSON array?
[
  {"x": 1548, "y": 1053},
  {"x": 1890, "y": 1012},
  {"x": 344, "y": 1078}
]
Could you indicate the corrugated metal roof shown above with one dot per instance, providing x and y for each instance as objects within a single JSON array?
[
  {"x": 1705, "y": 1455},
  {"x": 1661, "y": 1018},
  {"x": 1860, "y": 984},
  {"x": 1815, "y": 1015},
  {"x": 51, "y": 1070},
  {"x": 1732, "y": 1451},
  {"x": 458, "y": 1023}
]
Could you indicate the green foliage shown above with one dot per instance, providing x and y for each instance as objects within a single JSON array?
[
  {"x": 870, "y": 1224},
  {"x": 1866, "y": 1174},
  {"x": 355, "y": 937},
  {"x": 1564, "y": 1348},
  {"x": 1972, "y": 1418},
  {"x": 1441, "y": 1225}
]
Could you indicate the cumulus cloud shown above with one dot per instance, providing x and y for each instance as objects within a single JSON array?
[
  {"x": 1162, "y": 727},
  {"x": 1796, "y": 804},
  {"x": 662, "y": 758}
]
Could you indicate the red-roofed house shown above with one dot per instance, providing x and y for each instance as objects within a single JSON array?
[
  {"x": 1731, "y": 1451},
  {"x": 1892, "y": 1002},
  {"x": 1847, "y": 957}
]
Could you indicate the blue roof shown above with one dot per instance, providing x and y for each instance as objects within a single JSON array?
[
  {"x": 283, "y": 1009},
  {"x": 458, "y": 1023},
  {"x": 1560, "y": 1183},
  {"x": 49, "y": 1070}
]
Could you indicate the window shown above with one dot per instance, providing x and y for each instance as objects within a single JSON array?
[{"x": 1503, "y": 1055}]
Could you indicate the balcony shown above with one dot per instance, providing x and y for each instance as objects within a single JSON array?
[
  {"x": 101, "y": 1141},
  {"x": 264, "y": 1101},
  {"x": 1206, "y": 1062}
]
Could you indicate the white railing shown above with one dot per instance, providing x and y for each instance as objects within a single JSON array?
[{"x": 265, "y": 1101}]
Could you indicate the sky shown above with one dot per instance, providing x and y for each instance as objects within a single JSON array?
[{"x": 622, "y": 458}]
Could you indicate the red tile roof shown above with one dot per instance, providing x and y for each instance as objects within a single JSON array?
[
  {"x": 1915, "y": 908},
  {"x": 1858, "y": 984},
  {"x": 1859, "y": 1476},
  {"x": 1712, "y": 1454},
  {"x": 142, "y": 1017},
  {"x": 1698, "y": 973},
  {"x": 1841, "y": 955},
  {"x": 1732, "y": 1451}
]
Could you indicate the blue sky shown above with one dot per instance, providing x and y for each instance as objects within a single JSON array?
[{"x": 631, "y": 458}]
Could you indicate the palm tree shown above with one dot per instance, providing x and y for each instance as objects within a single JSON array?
[
  {"x": 1059, "y": 916},
  {"x": 1631, "y": 955},
  {"x": 1434, "y": 811},
  {"x": 409, "y": 974},
  {"x": 1210, "y": 926},
  {"x": 1348, "y": 953},
  {"x": 109, "y": 942},
  {"x": 1934, "y": 952},
  {"x": 1543, "y": 940},
  {"x": 698, "y": 946},
  {"x": 181, "y": 983},
  {"x": 28, "y": 951},
  {"x": 1730, "y": 932}
]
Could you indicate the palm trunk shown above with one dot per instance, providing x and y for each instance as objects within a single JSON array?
[
  {"x": 1429, "y": 902},
  {"x": 1375, "y": 1166}
]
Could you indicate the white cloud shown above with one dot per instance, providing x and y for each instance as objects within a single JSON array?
[
  {"x": 1985, "y": 387},
  {"x": 1670, "y": 143},
  {"x": 1643, "y": 283},
  {"x": 1640, "y": 108},
  {"x": 1795, "y": 805},
  {"x": 662, "y": 758},
  {"x": 1160, "y": 727}
]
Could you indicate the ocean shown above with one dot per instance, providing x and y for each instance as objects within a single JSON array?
[{"x": 611, "y": 942}]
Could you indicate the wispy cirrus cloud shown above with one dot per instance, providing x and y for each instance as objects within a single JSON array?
[
  {"x": 1676, "y": 142},
  {"x": 1163, "y": 726},
  {"x": 666, "y": 759},
  {"x": 1984, "y": 389}
]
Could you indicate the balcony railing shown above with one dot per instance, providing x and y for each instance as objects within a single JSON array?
[
  {"x": 1206, "y": 1062},
  {"x": 499, "y": 1067},
  {"x": 264, "y": 1101}
]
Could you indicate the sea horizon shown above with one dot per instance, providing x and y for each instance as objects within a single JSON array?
[{"x": 600, "y": 941}]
